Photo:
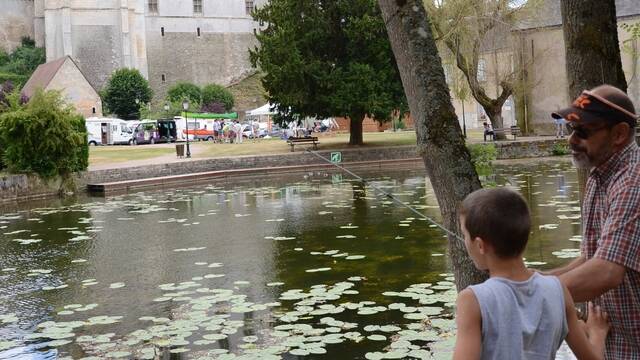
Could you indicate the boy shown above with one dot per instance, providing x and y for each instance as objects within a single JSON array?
[{"x": 517, "y": 313}]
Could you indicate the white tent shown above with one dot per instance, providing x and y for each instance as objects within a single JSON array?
[{"x": 265, "y": 109}]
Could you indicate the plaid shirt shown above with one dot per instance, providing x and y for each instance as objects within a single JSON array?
[{"x": 611, "y": 215}]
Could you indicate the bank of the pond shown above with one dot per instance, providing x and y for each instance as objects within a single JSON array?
[{"x": 119, "y": 178}]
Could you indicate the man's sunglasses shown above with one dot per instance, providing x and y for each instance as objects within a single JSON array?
[{"x": 583, "y": 132}]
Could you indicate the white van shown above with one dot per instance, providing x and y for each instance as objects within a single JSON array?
[{"x": 108, "y": 131}]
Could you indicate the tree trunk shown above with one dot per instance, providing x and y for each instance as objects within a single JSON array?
[
  {"x": 439, "y": 137},
  {"x": 496, "y": 121},
  {"x": 355, "y": 129},
  {"x": 592, "y": 50},
  {"x": 592, "y": 47}
]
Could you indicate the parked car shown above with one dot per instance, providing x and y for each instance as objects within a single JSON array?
[
  {"x": 155, "y": 131},
  {"x": 248, "y": 132}
]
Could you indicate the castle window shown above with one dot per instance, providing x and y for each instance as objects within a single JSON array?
[
  {"x": 197, "y": 6},
  {"x": 93, "y": 110},
  {"x": 248, "y": 4},
  {"x": 482, "y": 68},
  {"x": 153, "y": 6},
  {"x": 162, "y": 31},
  {"x": 164, "y": 78},
  {"x": 198, "y": 32}
]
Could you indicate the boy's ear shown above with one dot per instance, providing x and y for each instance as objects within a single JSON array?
[{"x": 481, "y": 244}]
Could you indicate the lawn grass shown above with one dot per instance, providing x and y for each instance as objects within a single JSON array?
[
  {"x": 104, "y": 155},
  {"x": 99, "y": 155}
]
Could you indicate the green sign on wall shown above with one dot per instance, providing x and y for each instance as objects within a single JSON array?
[{"x": 336, "y": 157}]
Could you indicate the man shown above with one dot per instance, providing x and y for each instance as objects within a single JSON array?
[
  {"x": 238, "y": 128},
  {"x": 601, "y": 125}
]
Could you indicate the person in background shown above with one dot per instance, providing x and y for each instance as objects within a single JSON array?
[
  {"x": 488, "y": 130},
  {"x": 560, "y": 123},
  {"x": 238, "y": 128}
]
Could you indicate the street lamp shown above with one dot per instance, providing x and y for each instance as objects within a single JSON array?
[
  {"x": 166, "y": 109},
  {"x": 185, "y": 106}
]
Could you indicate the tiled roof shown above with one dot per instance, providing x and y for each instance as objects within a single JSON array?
[
  {"x": 549, "y": 13},
  {"x": 43, "y": 76}
]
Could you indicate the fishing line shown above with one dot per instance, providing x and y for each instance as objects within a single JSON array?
[{"x": 390, "y": 196}]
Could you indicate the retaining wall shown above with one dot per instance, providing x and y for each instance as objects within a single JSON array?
[
  {"x": 22, "y": 187},
  {"x": 26, "y": 187}
]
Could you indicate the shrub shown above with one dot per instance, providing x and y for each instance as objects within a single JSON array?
[
  {"x": 214, "y": 108},
  {"x": 45, "y": 137},
  {"x": 123, "y": 89},
  {"x": 560, "y": 149},
  {"x": 398, "y": 124},
  {"x": 217, "y": 93},
  {"x": 182, "y": 90},
  {"x": 482, "y": 155}
]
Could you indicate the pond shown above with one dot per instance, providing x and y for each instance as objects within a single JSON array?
[{"x": 316, "y": 265}]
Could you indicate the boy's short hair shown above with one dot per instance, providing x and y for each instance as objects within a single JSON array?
[{"x": 500, "y": 217}]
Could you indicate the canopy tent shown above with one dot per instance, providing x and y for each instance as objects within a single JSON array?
[
  {"x": 265, "y": 109},
  {"x": 233, "y": 115}
]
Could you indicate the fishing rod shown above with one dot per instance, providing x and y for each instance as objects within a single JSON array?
[{"x": 390, "y": 196}]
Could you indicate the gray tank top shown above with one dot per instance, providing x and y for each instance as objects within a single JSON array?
[{"x": 521, "y": 319}]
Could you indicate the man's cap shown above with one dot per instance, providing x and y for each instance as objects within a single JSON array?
[{"x": 604, "y": 103}]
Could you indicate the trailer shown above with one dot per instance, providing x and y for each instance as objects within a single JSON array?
[{"x": 108, "y": 131}]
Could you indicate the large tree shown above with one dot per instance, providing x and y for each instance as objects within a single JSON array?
[
  {"x": 328, "y": 58},
  {"x": 592, "y": 47},
  {"x": 475, "y": 35},
  {"x": 440, "y": 139},
  {"x": 124, "y": 93}
]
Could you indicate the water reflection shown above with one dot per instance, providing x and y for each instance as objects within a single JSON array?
[{"x": 249, "y": 241}]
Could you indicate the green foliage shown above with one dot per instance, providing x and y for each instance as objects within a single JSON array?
[
  {"x": 18, "y": 66},
  {"x": 185, "y": 90},
  {"x": 122, "y": 90},
  {"x": 632, "y": 29},
  {"x": 482, "y": 155},
  {"x": 45, "y": 137},
  {"x": 16, "y": 79},
  {"x": 213, "y": 93},
  {"x": 324, "y": 59},
  {"x": 24, "y": 60},
  {"x": 560, "y": 149},
  {"x": 398, "y": 124}
]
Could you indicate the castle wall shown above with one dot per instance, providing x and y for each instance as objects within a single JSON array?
[
  {"x": 219, "y": 55},
  {"x": 16, "y": 21},
  {"x": 101, "y": 35}
]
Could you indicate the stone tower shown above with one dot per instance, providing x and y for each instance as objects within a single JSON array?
[{"x": 200, "y": 41}]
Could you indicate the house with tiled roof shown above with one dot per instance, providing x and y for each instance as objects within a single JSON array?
[
  {"x": 538, "y": 42},
  {"x": 65, "y": 76}
]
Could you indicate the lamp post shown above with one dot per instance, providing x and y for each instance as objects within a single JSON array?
[
  {"x": 138, "y": 107},
  {"x": 185, "y": 106},
  {"x": 166, "y": 109}
]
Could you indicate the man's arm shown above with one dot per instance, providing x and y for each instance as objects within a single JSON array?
[
  {"x": 469, "y": 324},
  {"x": 592, "y": 278},
  {"x": 572, "y": 265},
  {"x": 583, "y": 347}
]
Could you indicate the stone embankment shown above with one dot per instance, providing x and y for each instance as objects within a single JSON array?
[{"x": 22, "y": 187}]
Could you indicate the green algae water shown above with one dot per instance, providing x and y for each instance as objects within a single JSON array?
[{"x": 312, "y": 265}]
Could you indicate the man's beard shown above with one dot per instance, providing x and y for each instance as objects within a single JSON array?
[
  {"x": 580, "y": 158},
  {"x": 581, "y": 161}
]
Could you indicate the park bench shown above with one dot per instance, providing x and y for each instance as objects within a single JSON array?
[
  {"x": 513, "y": 130},
  {"x": 292, "y": 141}
]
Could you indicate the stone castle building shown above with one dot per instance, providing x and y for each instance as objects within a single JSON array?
[{"x": 200, "y": 41}]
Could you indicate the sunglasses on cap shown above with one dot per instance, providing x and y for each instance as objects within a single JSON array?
[{"x": 583, "y": 132}]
